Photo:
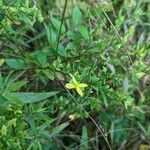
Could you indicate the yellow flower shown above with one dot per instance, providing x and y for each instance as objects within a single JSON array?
[
  {"x": 76, "y": 85},
  {"x": 72, "y": 117}
]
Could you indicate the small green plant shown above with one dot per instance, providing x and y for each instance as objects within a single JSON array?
[{"x": 103, "y": 104}]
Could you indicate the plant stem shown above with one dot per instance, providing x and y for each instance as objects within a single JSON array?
[{"x": 62, "y": 19}]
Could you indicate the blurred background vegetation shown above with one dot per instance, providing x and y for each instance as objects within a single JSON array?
[{"x": 102, "y": 43}]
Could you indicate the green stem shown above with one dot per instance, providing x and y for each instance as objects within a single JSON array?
[{"x": 62, "y": 19}]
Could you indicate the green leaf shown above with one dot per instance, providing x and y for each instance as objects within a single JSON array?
[
  {"x": 84, "y": 139},
  {"x": 2, "y": 102},
  {"x": 27, "y": 3},
  {"x": 106, "y": 6},
  {"x": 51, "y": 35},
  {"x": 49, "y": 51},
  {"x": 73, "y": 35},
  {"x": 117, "y": 135},
  {"x": 61, "y": 50},
  {"x": 24, "y": 97},
  {"x": 142, "y": 128},
  {"x": 1, "y": 80},
  {"x": 77, "y": 15},
  {"x": 2, "y": 62},
  {"x": 140, "y": 74},
  {"x": 42, "y": 58},
  {"x": 56, "y": 23},
  {"x": 16, "y": 85},
  {"x": 70, "y": 46},
  {"x": 58, "y": 129},
  {"x": 84, "y": 32},
  {"x": 1, "y": 3},
  {"x": 17, "y": 64},
  {"x": 105, "y": 99},
  {"x": 2, "y": 15},
  {"x": 46, "y": 124},
  {"x": 2, "y": 86},
  {"x": 49, "y": 74}
]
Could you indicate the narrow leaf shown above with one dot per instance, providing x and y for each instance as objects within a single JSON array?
[
  {"x": 59, "y": 128},
  {"x": 2, "y": 62},
  {"x": 84, "y": 140},
  {"x": 84, "y": 32},
  {"x": 77, "y": 15},
  {"x": 16, "y": 63},
  {"x": 27, "y": 97},
  {"x": 56, "y": 23},
  {"x": 16, "y": 85}
]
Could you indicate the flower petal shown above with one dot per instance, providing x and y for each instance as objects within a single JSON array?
[
  {"x": 79, "y": 91},
  {"x": 82, "y": 85},
  {"x": 70, "y": 86}
]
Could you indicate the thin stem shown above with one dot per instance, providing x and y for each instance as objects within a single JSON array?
[
  {"x": 117, "y": 33},
  {"x": 62, "y": 19},
  {"x": 99, "y": 127}
]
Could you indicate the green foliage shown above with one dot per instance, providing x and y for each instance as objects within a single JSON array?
[
  {"x": 84, "y": 140},
  {"x": 77, "y": 15},
  {"x": 103, "y": 44},
  {"x": 17, "y": 64}
]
